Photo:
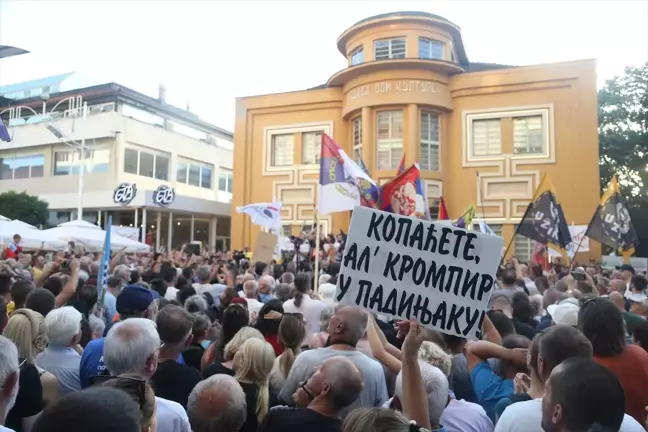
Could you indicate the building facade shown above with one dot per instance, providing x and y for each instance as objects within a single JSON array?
[
  {"x": 155, "y": 168},
  {"x": 482, "y": 133}
]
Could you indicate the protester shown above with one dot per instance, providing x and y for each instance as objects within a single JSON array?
[
  {"x": 9, "y": 377},
  {"x": 217, "y": 404},
  {"x": 304, "y": 304},
  {"x": 291, "y": 334},
  {"x": 227, "y": 367}
]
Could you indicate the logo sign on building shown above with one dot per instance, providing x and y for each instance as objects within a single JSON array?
[
  {"x": 404, "y": 267},
  {"x": 163, "y": 195},
  {"x": 125, "y": 193}
]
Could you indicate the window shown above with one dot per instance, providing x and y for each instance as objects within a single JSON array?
[
  {"x": 357, "y": 56},
  {"x": 286, "y": 230},
  {"x": 357, "y": 140},
  {"x": 389, "y": 49},
  {"x": 528, "y": 135},
  {"x": 22, "y": 167},
  {"x": 225, "y": 180},
  {"x": 429, "y": 147},
  {"x": 435, "y": 205},
  {"x": 430, "y": 49},
  {"x": 194, "y": 174},
  {"x": 282, "y": 150},
  {"x": 486, "y": 137},
  {"x": 389, "y": 142},
  {"x": 311, "y": 147},
  {"x": 523, "y": 248},
  {"x": 146, "y": 164},
  {"x": 141, "y": 115},
  {"x": 68, "y": 162}
]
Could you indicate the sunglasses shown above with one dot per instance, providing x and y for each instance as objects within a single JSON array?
[{"x": 130, "y": 385}]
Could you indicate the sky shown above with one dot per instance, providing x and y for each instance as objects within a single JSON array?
[{"x": 209, "y": 52}]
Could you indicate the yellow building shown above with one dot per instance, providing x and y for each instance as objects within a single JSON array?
[{"x": 410, "y": 89}]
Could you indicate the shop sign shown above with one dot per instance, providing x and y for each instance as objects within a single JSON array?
[
  {"x": 396, "y": 86},
  {"x": 163, "y": 196},
  {"x": 124, "y": 193}
]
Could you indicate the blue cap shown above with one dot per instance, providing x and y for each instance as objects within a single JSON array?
[{"x": 134, "y": 299}]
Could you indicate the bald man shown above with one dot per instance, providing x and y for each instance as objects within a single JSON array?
[
  {"x": 335, "y": 386},
  {"x": 217, "y": 404},
  {"x": 616, "y": 285}
]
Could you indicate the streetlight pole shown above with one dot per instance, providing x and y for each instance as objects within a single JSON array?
[{"x": 82, "y": 151}]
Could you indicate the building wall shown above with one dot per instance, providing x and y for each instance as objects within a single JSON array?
[
  {"x": 557, "y": 101},
  {"x": 114, "y": 132}
]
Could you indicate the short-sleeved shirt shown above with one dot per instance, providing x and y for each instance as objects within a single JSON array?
[
  {"x": 64, "y": 364},
  {"x": 489, "y": 387},
  {"x": 174, "y": 381},
  {"x": 29, "y": 401},
  {"x": 92, "y": 363}
]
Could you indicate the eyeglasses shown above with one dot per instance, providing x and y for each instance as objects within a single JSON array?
[
  {"x": 310, "y": 394},
  {"x": 137, "y": 384}
]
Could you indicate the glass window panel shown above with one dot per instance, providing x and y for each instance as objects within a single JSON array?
[
  {"x": 181, "y": 172},
  {"x": 389, "y": 141},
  {"x": 21, "y": 167},
  {"x": 311, "y": 147},
  {"x": 429, "y": 146},
  {"x": 486, "y": 137},
  {"x": 37, "y": 166},
  {"x": 99, "y": 162},
  {"x": 130, "y": 161},
  {"x": 357, "y": 56},
  {"x": 147, "y": 164},
  {"x": 222, "y": 182},
  {"x": 161, "y": 167},
  {"x": 194, "y": 175},
  {"x": 6, "y": 171},
  {"x": 282, "y": 150},
  {"x": 206, "y": 177}
]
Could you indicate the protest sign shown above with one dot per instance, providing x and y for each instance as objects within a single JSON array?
[
  {"x": 408, "y": 268},
  {"x": 265, "y": 247}
]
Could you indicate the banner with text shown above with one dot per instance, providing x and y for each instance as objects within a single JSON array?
[{"x": 409, "y": 268}]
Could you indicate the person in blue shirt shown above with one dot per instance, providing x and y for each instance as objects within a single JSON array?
[
  {"x": 489, "y": 386},
  {"x": 134, "y": 301}
]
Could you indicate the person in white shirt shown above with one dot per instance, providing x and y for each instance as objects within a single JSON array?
[
  {"x": 303, "y": 303},
  {"x": 170, "y": 276},
  {"x": 251, "y": 292},
  {"x": 9, "y": 373}
]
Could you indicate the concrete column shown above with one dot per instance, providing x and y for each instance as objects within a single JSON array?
[
  {"x": 191, "y": 228},
  {"x": 144, "y": 229},
  {"x": 411, "y": 134},
  {"x": 368, "y": 149},
  {"x": 170, "y": 233},
  {"x": 136, "y": 224},
  {"x": 212, "y": 231},
  {"x": 158, "y": 222}
]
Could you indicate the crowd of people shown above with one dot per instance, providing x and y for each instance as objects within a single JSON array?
[{"x": 218, "y": 343}]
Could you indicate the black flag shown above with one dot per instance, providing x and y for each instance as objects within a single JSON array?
[
  {"x": 544, "y": 220},
  {"x": 611, "y": 224}
]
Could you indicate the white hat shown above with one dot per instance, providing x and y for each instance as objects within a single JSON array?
[
  {"x": 326, "y": 293},
  {"x": 564, "y": 313}
]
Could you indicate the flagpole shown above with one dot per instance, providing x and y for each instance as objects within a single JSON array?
[
  {"x": 481, "y": 200},
  {"x": 317, "y": 247}
]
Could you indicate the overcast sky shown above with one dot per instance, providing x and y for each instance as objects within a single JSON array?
[{"x": 211, "y": 51}]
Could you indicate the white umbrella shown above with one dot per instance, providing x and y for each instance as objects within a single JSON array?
[
  {"x": 92, "y": 237},
  {"x": 30, "y": 237}
]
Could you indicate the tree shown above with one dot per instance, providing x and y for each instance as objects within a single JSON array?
[
  {"x": 24, "y": 207},
  {"x": 623, "y": 143}
]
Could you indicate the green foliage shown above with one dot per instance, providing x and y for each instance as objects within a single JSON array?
[
  {"x": 623, "y": 143},
  {"x": 24, "y": 207}
]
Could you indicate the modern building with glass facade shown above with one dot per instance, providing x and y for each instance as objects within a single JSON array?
[
  {"x": 482, "y": 133},
  {"x": 131, "y": 140}
]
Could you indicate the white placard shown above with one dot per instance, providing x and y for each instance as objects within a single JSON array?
[{"x": 408, "y": 268}]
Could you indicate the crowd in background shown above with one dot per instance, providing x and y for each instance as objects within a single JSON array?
[{"x": 212, "y": 342}]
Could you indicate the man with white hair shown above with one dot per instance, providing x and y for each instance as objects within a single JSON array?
[
  {"x": 61, "y": 358},
  {"x": 133, "y": 346},
  {"x": 122, "y": 271},
  {"x": 266, "y": 288},
  {"x": 204, "y": 284},
  {"x": 436, "y": 389},
  {"x": 251, "y": 292},
  {"x": 9, "y": 374},
  {"x": 217, "y": 404}
]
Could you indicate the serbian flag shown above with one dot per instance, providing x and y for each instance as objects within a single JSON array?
[
  {"x": 443, "y": 211},
  {"x": 401, "y": 166},
  {"x": 404, "y": 195},
  {"x": 343, "y": 185}
]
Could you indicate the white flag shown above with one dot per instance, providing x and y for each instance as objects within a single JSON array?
[{"x": 264, "y": 214}]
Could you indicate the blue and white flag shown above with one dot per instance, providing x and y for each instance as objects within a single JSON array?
[
  {"x": 483, "y": 227},
  {"x": 102, "y": 280},
  {"x": 264, "y": 214},
  {"x": 4, "y": 133}
]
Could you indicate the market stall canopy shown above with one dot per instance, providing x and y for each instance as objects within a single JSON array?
[
  {"x": 92, "y": 237},
  {"x": 31, "y": 237}
]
